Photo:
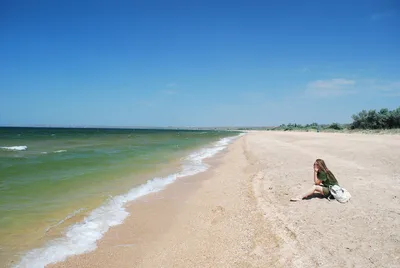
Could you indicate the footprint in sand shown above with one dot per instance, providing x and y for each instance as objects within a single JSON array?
[
  {"x": 219, "y": 212},
  {"x": 259, "y": 175}
]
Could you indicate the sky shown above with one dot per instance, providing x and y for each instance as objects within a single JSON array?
[{"x": 196, "y": 63}]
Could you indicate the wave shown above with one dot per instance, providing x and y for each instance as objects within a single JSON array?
[
  {"x": 60, "y": 151},
  {"x": 55, "y": 152},
  {"x": 81, "y": 237},
  {"x": 14, "y": 148},
  {"x": 69, "y": 216}
]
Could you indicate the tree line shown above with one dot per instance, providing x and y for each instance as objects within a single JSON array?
[
  {"x": 372, "y": 119},
  {"x": 384, "y": 119}
]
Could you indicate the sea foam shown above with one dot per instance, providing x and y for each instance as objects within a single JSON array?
[
  {"x": 15, "y": 148},
  {"x": 60, "y": 151},
  {"x": 81, "y": 237}
]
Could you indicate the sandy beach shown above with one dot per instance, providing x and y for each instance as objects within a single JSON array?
[{"x": 238, "y": 213}]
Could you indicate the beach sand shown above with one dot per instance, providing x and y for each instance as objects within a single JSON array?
[{"x": 238, "y": 213}]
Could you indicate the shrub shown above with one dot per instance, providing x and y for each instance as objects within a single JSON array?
[
  {"x": 336, "y": 126},
  {"x": 376, "y": 120}
]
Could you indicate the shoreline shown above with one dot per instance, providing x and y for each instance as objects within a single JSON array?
[
  {"x": 152, "y": 217},
  {"x": 71, "y": 216},
  {"x": 113, "y": 211}
]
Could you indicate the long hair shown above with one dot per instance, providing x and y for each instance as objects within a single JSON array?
[{"x": 322, "y": 166}]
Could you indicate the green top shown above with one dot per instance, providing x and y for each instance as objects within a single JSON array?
[{"x": 326, "y": 181}]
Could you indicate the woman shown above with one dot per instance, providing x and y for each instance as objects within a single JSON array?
[{"x": 323, "y": 178}]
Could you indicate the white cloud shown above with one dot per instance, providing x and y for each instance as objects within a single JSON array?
[
  {"x": 383, "y": 15},
  {"x": 170, "y": 89},
  {"x": 146, "y": 103},
  {"x": 304, "y": 70},
  {"x": 169, "y": 92},
  {"x": 332, "y": 87},
  {"x": 391, "y": 88},
  {"x": 392, "y": 94}
]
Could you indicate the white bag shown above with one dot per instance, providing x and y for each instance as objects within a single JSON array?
[{"x": 339, "y": 193}]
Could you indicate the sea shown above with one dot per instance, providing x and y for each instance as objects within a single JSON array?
[{"x": 61, "y": 189}]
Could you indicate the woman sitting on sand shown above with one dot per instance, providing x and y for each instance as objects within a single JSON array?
[{"x": 323, "y": 178}]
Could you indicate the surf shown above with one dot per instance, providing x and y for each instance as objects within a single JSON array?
[
  {"x": 82, "y": 237},
  {"x": 14, "y": 148}
]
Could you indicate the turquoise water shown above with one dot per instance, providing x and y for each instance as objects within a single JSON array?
[{"x": 51, "y": 178}]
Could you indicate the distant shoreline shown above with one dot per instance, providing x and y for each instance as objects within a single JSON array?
[
  {"x": 133, "y": 128},
  {"x": 239, "y": 129}
]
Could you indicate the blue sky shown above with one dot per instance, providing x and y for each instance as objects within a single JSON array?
[{"x": 196, "y": 63}]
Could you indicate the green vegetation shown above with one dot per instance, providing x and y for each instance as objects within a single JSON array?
[
  {"x": 384, "y": 119},
  {"x": 364, "y": 120},
  {"x": 312, "y": 127}
]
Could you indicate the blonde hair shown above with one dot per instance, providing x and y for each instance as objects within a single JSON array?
[{"x": 322, "y": 166}]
